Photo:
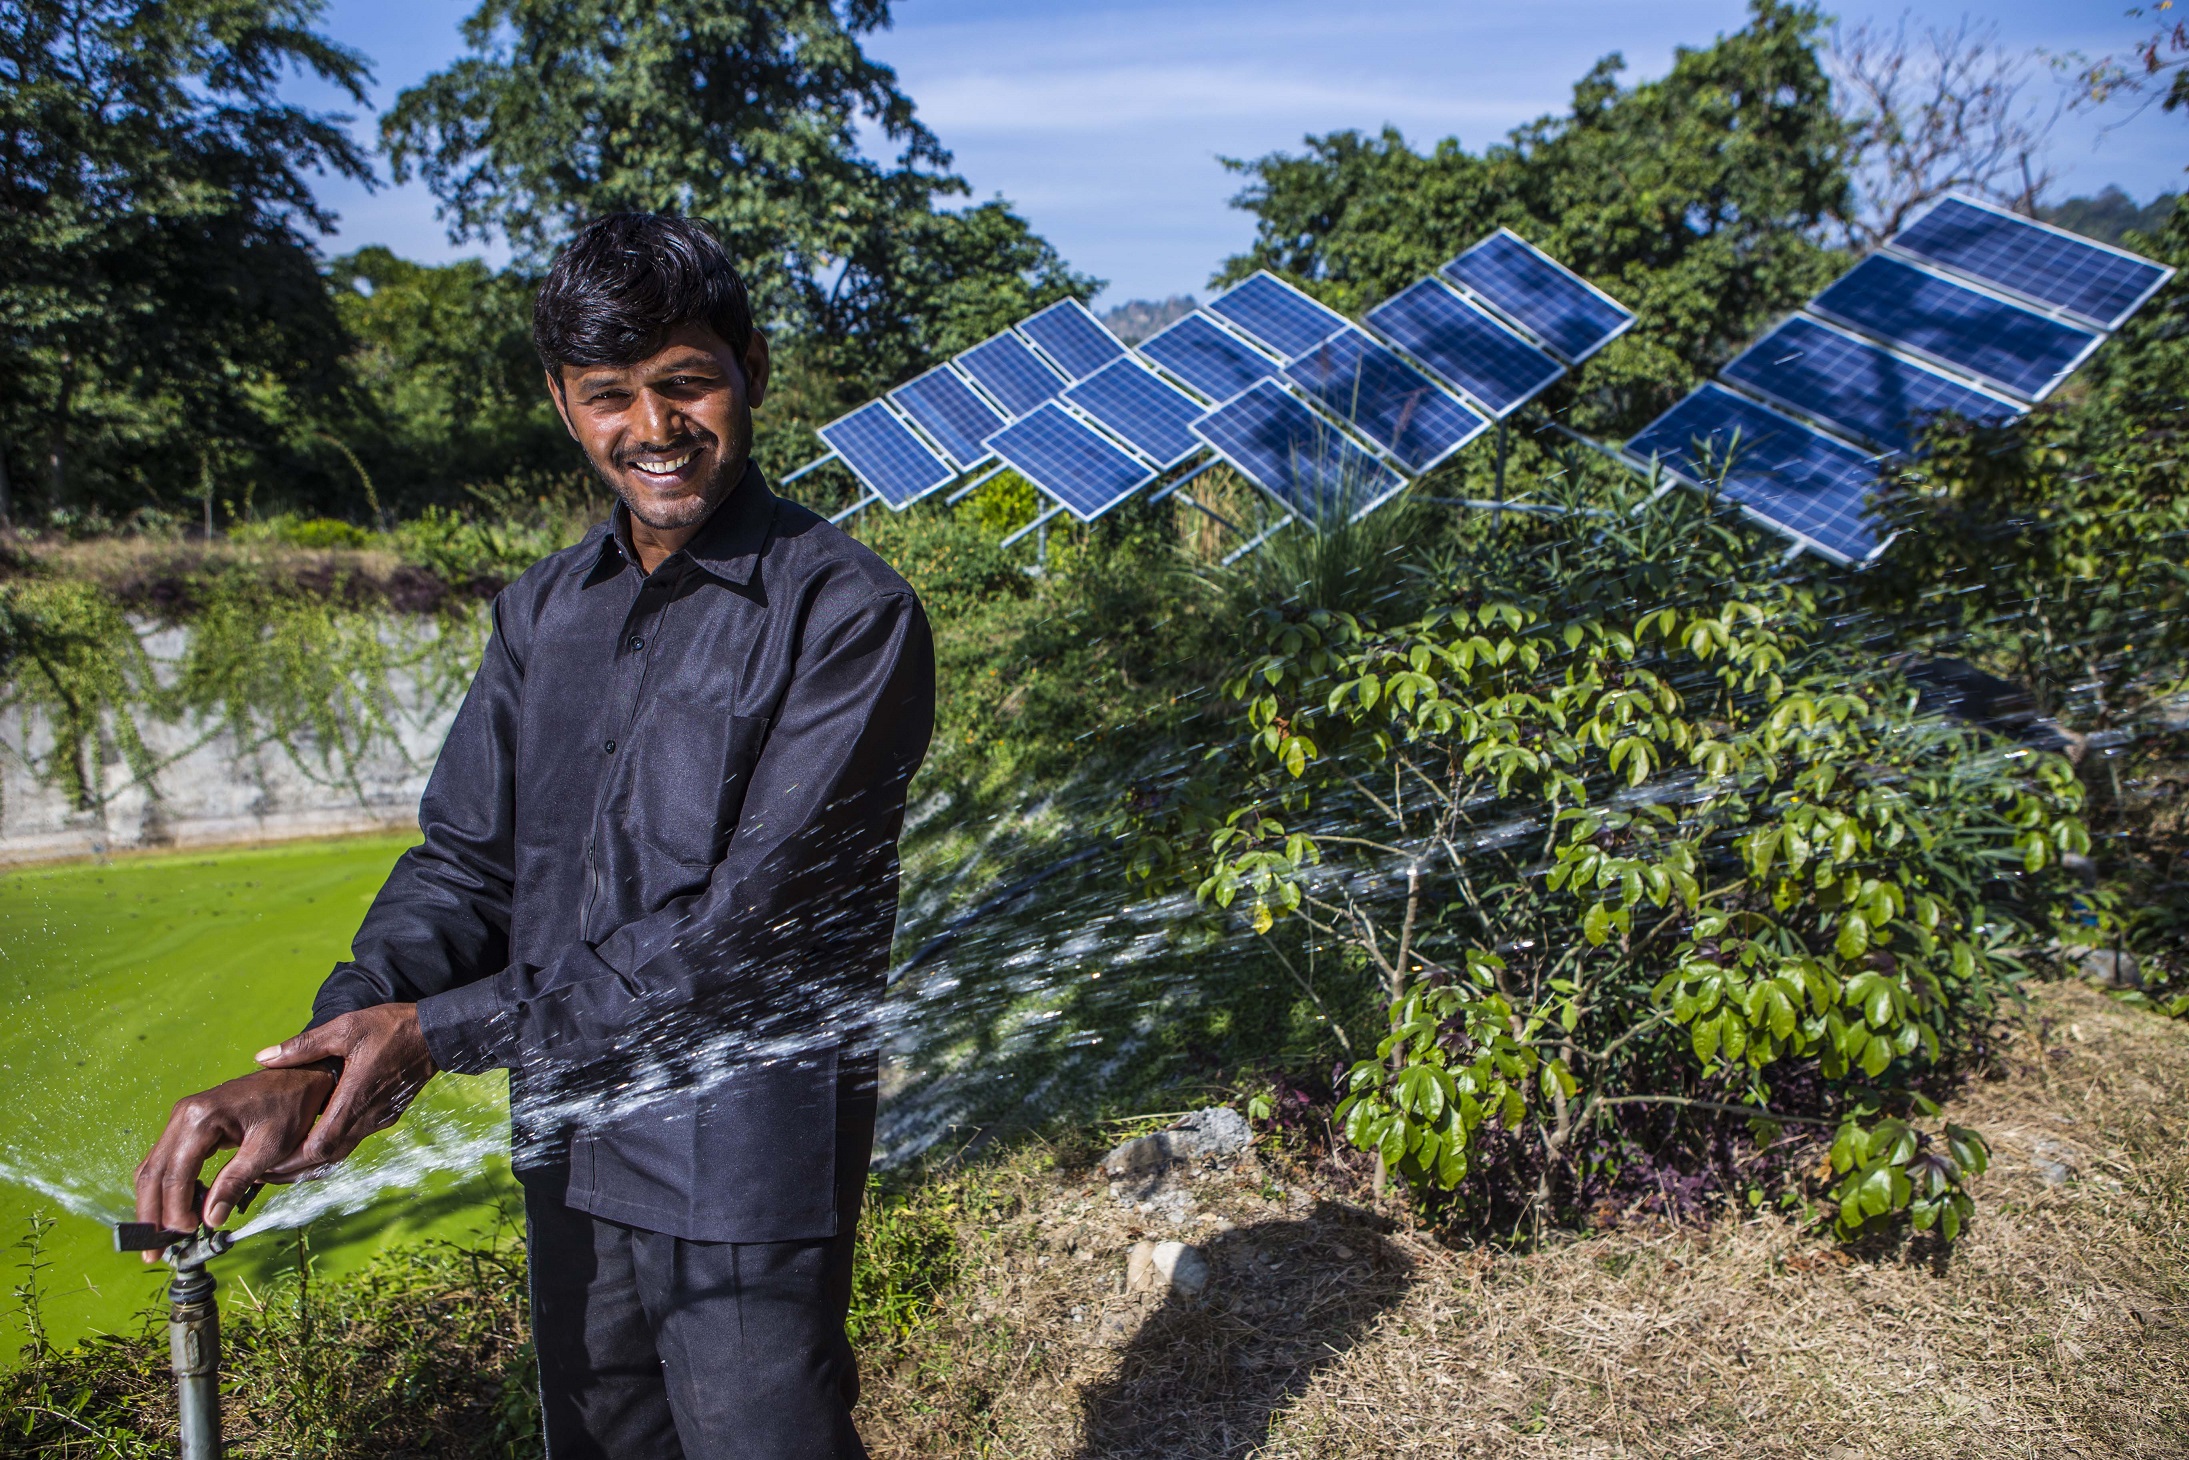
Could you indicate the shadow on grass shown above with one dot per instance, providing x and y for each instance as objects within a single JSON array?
[{"x": 1204, "y": 1376}]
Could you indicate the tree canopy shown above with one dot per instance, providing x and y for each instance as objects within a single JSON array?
[
  {"x": 162, "y": 319},
  {"x": 1700, "y": 200},
  {"x": 746, "y": 116}
]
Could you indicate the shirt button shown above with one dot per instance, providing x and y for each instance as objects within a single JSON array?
[
  {"x": 637, "y": 642},
  {"x": 610, "y": 747}
]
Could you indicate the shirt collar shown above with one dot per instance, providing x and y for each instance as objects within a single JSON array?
[{"x": 729, "y": 545}]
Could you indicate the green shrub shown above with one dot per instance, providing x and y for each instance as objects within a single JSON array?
[
  {"x": 304, "y": 532},
  {"x": 1601, "y": 853}
]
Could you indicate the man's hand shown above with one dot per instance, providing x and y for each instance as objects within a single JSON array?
[
  {"x": 385, "y": 1064},
  {"x": 264, "y": 1115}
]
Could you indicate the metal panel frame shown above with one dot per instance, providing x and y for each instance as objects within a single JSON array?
[
  {"x": 1632, "y": 318},
  {"x": 987, "y": 395},
  {"x": 1277, "y": 364},
  {"x": 1672, "y": 474},
  {"x": 890, "y": 407},
  {"x": 1481, "y": 407},
  {"x": 1135, "y": 362},
  {"x": 1831, "y": 428},
  {"x": 1916, "y": 352},
  {"x": 1436, "y": 382},
  {"x": 1052, "y": 361},
  {"x": 1284, "y": 387},
  {"x": 1265, "y": 347},
  {"x": 2066, "y": 316},
  {"x": 970, "y": 384},
  {"x": 1139, "y": 458}
]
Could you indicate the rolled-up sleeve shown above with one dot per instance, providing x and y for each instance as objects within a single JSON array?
[{"x": 798, "y": 910}]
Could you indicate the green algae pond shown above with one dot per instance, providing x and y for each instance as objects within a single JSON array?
[{"x": 129, "y": 983}]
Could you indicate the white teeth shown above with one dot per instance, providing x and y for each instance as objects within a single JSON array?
[{"x": 663, "y": 468}]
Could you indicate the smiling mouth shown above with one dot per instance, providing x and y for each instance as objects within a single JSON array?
[{"x": 663, "y": 466}]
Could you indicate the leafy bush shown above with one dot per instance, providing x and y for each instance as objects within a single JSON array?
[
  {"x": 305, "y": 532},
  {"x": 1604, "y": 851}
]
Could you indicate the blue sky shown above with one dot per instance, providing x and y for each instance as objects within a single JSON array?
[{"x": 1102, "y": 120}]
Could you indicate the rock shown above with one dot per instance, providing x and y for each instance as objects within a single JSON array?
[
  {"x": 2054, "y": 1163},
  {"x": 1206, "y": 1135},
  {"x": 1157, "y": 1266},
  {"x": 2110, "y": 970}
]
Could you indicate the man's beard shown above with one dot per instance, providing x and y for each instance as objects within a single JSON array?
[{"x": 685, "y": 511}]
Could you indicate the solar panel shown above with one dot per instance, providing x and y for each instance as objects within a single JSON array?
[
  {"x": 884, "y": 455},
  {"x": 1864, "y": 390},
  {"x": 1207, "y": 357},
  {"x": 1546, "y": 298},
  {"x": 1013, "y": 375},
  {"x": 1071, "y": 461},
  {"x": 2019, "y": 350},
  {"x": 1386, "y": 400},
  {"x": 1277, "y": 316},
  {"x": 1801, "y": 481},
  {"x": 1146, "y": 410},
  {"x": 2050, "y": 267},
  {"x": 1069, "y": 334},
  {"x": 1303, "y": 461},
  {"x": 951, "y": 413},
  {"x": 1463, "y": 345}
]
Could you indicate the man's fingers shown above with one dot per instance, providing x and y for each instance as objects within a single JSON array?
[
  {"x": 304, "y": 1049},
  {"x": 263, "y": 1146}
]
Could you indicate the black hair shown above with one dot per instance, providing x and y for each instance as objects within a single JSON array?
[{"x": 616, "y": 291}]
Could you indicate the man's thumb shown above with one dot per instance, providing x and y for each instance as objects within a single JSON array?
[{"x": 306, "y": 1048}]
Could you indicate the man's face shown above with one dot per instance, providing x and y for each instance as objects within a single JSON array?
[{"x": 670, "y": 434}]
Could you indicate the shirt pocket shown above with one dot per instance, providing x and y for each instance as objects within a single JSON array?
[{"x": 689, "y": 773}]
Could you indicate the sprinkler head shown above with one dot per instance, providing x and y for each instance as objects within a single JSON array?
[{"x": 183, "y": 1249}]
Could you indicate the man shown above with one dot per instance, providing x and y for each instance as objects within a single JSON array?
[{"x": 658, "y": 884}]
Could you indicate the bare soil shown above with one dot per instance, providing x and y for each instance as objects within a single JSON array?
[{"x": 2059, "y": 1326}]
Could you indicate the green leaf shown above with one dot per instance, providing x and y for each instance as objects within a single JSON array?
[{"x": 1596, "y": 924}]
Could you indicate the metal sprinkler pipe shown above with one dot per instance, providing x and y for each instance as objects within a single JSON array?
[{"x": 193, "y": 1323}]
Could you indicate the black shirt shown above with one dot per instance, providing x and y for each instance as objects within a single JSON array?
[{"x": 659, "y": 875}]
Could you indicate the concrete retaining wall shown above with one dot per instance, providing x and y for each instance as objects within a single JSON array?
[{"x": 210, "y": 790}]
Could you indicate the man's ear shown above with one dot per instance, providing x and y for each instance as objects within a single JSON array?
[
  {"x": 562, "y": 403},
  {"x": 756, "y": 362}
]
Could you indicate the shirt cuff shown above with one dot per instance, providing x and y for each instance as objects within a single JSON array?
[{"x": 470, "y": 1029}]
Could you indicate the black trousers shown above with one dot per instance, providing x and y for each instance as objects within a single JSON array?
[{"x": 654, "y": 1348}]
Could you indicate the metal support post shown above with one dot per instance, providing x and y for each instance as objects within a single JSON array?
[
  {"x": 193, "y": 1323},
  {"x": 1497, "y": 513},
  {"x": 1034, "y": 526},
  {"x": 858, "y": 506},
  {"x": 1202, "y": 470},
  {"x": 819, "y": 461},
  {"x": 1264, "y": 536},
  {"x": 975, "y": 485},
  {"x": 1210, "y": 513}
]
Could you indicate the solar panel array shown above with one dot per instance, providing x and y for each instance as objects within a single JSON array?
[
  {"x": 1970, "y": 310},
  {"x": 952, "y": 413},
  {"x": 1459, "y": 340},
  {"x": 2091, "y": 282},
  {"x": 884, "y": 453},
  {"x": 1572, "y": 317},
  {"x": 1386, "y": 400},
  {"x": 1085, "y": 471},
  {"x": 1298, "y": 457},
  {"x": 1322, "y": 416}
]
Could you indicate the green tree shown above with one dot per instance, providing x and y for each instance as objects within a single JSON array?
[
  {"x": 163, "y": 326},
  {"x": 443, "y": 358},
  {"x": 743, "y": 113},
  {"x": 1699, "y": 200}
]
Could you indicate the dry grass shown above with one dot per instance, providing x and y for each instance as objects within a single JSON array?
[{"x": 2058, "y": 1327}]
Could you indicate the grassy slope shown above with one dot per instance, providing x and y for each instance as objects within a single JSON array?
[
  {"x": 994, "y": 1321},
  {"x": 2058, "y": 1326},
  {"x": 125, "y": 985}
]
